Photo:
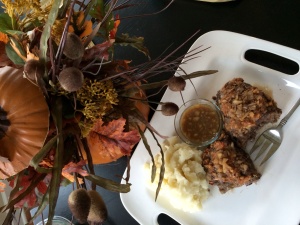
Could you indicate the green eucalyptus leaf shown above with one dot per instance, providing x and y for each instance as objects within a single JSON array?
[
  {"x": 65, "y": 182},
  {"x": 31, "y": 25},
  {"x": 135, "y": 42},
  {"x": 147, "y": 146},
  {"x": 89, "y": 8},
  {"x": 89, "y": 157},
  {"x": 43, "y": 152},
  {"x": 12, "y": 55},
  {"x": 63, "y": 9},
  {"x": 58, "y": 160},
  {"x": 162, "y": 167},
  {"x": 47, "y": 29},
  {"x": 97, "y": 10},
  {"x": 15, "y": 32},
  {"x": 5, "y": 23},
  {"x": 9, "y": 217},
  {"x": 159, "y": 84},
  {"x": 110, "y": 23},
  {"x": 109, "y": 184}
]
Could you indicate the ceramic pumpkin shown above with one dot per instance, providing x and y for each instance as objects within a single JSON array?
[{"x": 24, "y": 121}]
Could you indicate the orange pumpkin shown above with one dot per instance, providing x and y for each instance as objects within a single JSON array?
[{"x": 24, "y": 122}]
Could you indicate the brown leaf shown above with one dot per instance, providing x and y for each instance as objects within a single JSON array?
[
  {"x": 110, "y": 140},
  {"x": 97, "y": 51}
]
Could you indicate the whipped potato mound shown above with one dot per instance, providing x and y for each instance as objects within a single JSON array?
[{"x": 184, "y": 181}]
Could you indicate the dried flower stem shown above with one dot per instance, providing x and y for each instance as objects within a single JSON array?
[{"x": 64, "y": 35}]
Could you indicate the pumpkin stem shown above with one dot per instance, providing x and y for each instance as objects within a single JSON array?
[{"x": 4, "y": 123}]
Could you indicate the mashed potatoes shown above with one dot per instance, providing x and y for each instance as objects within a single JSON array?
[{"x": 184, "y": 181}]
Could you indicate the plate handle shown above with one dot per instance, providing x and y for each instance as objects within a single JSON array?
[
  {"x": 164, "y": 219},
  {"x": 272, "y": 61}
]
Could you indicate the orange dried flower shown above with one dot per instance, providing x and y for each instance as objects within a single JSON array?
[
  {"x": 3, "y": 38},
  {"x": 80, "y": 27}
]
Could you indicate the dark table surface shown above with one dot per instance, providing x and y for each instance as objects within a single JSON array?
[{"x": 273, "y": 20}]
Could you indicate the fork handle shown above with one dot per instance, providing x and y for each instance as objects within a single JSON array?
[{"x": 290, "y": 113}]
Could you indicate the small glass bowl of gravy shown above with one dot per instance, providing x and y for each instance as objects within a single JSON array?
[{"x": 198, "y": 122}]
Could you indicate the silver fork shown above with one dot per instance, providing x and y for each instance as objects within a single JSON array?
[{"x": 271, "y": 138}]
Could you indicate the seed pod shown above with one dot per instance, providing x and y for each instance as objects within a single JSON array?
[
  {"x": 33, "y": 68},
  {"x": 79, "y": 203},
  {"x": 176, "y": 83},
  {"x": 98, "y": 211},
  {"x": 73, "y": 48},
  {"x": 71, "y": 79},
  {"x": 169, "y": 109}
]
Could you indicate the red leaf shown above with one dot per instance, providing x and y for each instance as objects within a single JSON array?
[
  {"x": 42, "y": 187},
  {"x": 29, "y": 200},
  {"x": 112, "y": 136},
  {"x": 4, "y": 60}
]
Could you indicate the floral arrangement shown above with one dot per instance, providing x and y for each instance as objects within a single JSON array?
[{"x": 71, "y": 103}]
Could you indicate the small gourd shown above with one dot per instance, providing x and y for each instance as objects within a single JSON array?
[
  {"x": 79, "y": 203},
  {"x": 98, "y": 211}
]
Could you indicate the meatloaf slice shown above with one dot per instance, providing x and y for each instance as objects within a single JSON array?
[
  {"x": 228, "y": 166},
  {"x": 246, "y": 109}
]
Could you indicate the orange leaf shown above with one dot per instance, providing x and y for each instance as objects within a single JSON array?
[
  {"x": 110, "y": 142},
  {"x": 2, "y": 186},
  {"x": 3, "y": 38},
  {"x": 114, "y": 30},
  {"x": 4, "y": 60},
  {"x": 74, "y": 168},
  {"x": 87, "y": 27}
]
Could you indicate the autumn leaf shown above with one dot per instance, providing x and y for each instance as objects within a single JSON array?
[
  {"x": 80, "y": 26},
  {"x": 72, "y": 167},
  {"x": 4, "y": 60},
  {"x": 26, "y": 179},
  {"x": 110, "y": 141},
  {"x": 6, "y": 168},
  {"x": 28, "y": 201},
  {"x": 114, "y": 30},
  {"x": 97, "y": 51},
  {"x": 3, "y": 38},
  {"x": 135, "y": 42},
  {"x": 42, "y": 187},
  {"x": 2, "y": 186}
]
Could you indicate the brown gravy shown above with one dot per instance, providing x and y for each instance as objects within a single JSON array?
[{"x": 199, "y": 123}]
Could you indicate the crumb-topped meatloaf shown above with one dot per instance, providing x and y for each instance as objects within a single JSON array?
[
  {"x": 245, "y": 109},
  {"x": 228, "y": 166}
]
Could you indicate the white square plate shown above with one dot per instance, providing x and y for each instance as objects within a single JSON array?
[{"x": 275, "y": 198}]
